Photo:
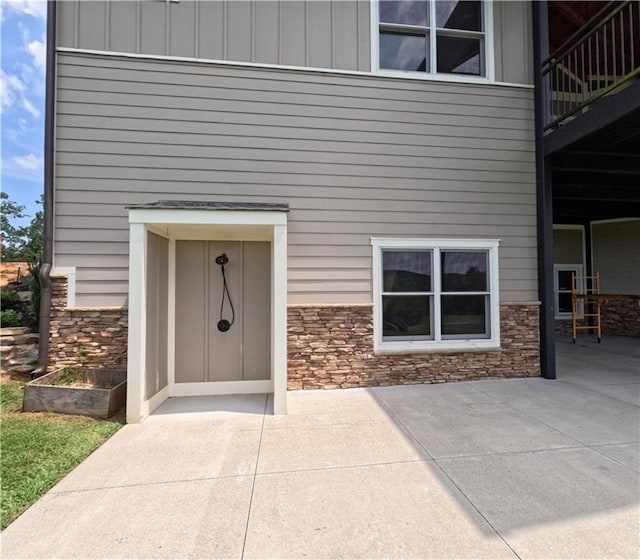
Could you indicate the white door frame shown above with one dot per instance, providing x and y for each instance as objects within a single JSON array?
[{"x": 209, "y": 224}]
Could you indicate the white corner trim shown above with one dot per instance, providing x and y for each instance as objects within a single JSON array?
[
  {"x": 136, "y": 343},
  {"x": 154, "y": 402},
  {"x": 171, "y": 314},
  {"x": 279, "y": 318},
  {"x": 489, "y": 47},
  {"x": 374, "y": 36},
  {"x": 70, "y": 273},
  {"x": 451, "y": 78}
]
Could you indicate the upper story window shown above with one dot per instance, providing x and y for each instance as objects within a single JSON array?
[{"x": 433, "y": 36}]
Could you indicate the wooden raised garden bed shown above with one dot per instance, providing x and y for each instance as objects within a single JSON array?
[{"x": 99, "y": 393}]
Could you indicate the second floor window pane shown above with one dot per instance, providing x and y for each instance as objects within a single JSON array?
[
  {"x": 408, "y": 12},
  {"x": 459, "y": 55},
  {"x": 454, "y": 14},
  {"x": 399, "y": 51}
]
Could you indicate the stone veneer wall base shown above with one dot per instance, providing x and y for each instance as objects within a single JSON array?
[
  {"x": 331, "y": 346},
  {"x": 88, "y": 337},
  {"x": 617, "y": 318}
]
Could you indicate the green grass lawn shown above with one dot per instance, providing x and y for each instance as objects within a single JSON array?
[{"x": 38, "y": 449}]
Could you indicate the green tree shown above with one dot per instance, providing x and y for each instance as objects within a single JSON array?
[
  {"x": 11, "y": 234},
  {"x": 21, "y": 243}
]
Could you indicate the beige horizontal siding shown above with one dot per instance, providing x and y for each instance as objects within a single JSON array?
[{"x": 353, "y": 157}]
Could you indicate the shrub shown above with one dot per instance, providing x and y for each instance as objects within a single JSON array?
[
  {"x": 9, "y": 299},
  {"x": 10, "y": 318}
]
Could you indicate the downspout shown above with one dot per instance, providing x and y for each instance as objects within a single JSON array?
[
  {"x": 544, "y": 197},
  {"x": 49, "y": 138}
]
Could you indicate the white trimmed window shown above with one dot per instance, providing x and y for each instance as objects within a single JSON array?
[
  {"x": 433, "y": 37},
  {"x": 562, "y": 277},
  {"x": 435, "y": 294}
]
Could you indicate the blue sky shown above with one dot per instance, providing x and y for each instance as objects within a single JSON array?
[{"x": 22, "y": 92}]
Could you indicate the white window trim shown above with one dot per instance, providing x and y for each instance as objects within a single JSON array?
[
  {"x": 460, "y": 345},
  {"x": 489, "y": 54},
  {"x": 579, "y": 270}
]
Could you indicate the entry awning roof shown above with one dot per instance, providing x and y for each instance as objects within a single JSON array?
[{"x": 206, "y": 205}]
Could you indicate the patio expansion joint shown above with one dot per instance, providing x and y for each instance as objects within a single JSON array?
[
  {"x": 255, "y": 473},
  {"x": 514, "y": 452},
  {"x": 531, "y": 417},
  {"x": 617, "y": 461},
  {"x": 446, "y": 475},
  {"x": 54, "y": 492},
  {"x": 582, "y": 445},
  {"x": 343, "y": 467},
  {"x": 596, "y": 392}
]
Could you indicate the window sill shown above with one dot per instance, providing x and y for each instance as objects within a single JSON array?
[
  {"x": 452, "y": 78},
  {"x": 449, "y": 346}
]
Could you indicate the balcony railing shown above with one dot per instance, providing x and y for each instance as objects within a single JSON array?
[{"x": 600, "y": 58}]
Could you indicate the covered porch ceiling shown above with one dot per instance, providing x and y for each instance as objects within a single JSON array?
[{"x": 598, "y": 176}]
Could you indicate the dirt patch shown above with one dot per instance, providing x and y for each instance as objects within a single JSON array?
[
  {"x": 15, "y": 376},
  {"x": 13, "y": 272},
  {"x": 72, "y": 377}
]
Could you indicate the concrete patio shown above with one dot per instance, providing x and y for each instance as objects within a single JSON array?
[{"x": 521, "y": 468}]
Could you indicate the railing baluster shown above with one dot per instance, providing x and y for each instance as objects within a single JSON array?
[
  {"x": 613, "y": 47},
  {"x": 564, "y": 88},
  {"x": 590, "y": 71},
  {"x": 606, "y": 55},
  {"x": 592, "y": 62},
  {"x": 632, "y": 34},
  {"x": 623, "y": 44},
  {"x": 582, "y": 74},
  {"x": 574, "y": 96}
]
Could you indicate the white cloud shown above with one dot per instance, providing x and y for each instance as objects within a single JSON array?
[
  {"x": 34, "y": 8},
  {"x": 28, "y": 161},
  {"x": 11, "y": 89},
  {"x": 38, "y": 50},
  {"x": 35, "y": 112}
]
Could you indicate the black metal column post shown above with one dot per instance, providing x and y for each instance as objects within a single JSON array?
[{"x": 544, "y": 196}]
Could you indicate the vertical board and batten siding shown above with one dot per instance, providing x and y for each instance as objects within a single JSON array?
[
  {"x": 203, "y": 353},
  {"x": 322, "y": 34},
  {"x": 333, "y": 34},
  {"x": 513, "y": 42},
  {"x": 157, "y": 275},
  {"x": 353, "y": 156}
]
